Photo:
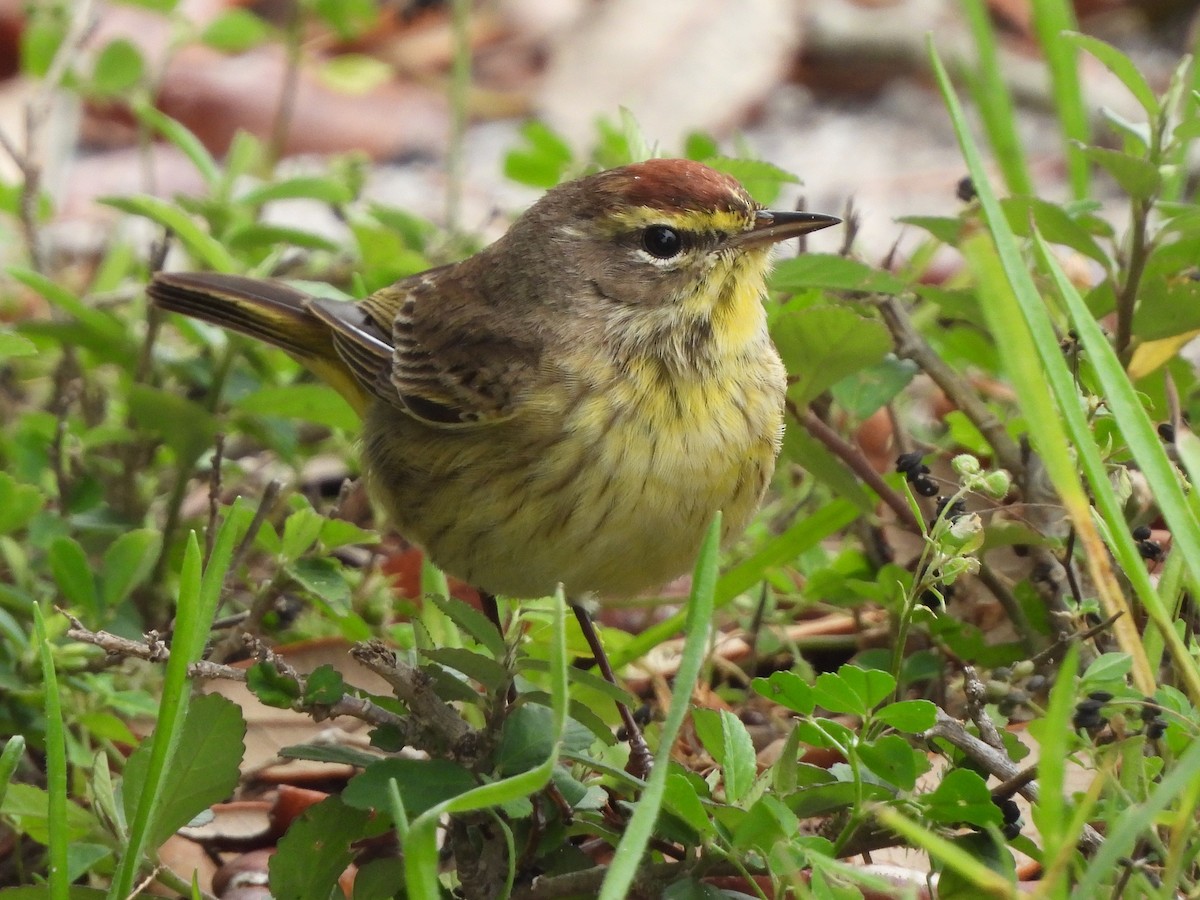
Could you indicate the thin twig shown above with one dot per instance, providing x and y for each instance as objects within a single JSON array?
[{"x": 853, "y": 457}]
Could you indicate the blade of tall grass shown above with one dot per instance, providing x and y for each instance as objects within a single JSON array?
[
  {"x": 56, "y": 765},
  {"x": 994, "y": 101},
  {"x": 1021, "y": 326},
  {"x": 1147, "y": 447},
  {"x": 1050, "y": 19}
]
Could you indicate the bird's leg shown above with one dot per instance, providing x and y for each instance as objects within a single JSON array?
[
  {"x": 491, "y": 609},
  {"x": 640, "y": 759}
]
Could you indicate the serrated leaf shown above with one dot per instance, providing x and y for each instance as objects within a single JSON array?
[
  {"x": 314, "y": 853},
  {"x": 324, "y": 685},
  {"x": 300, "y": 531},
  {"x": 680, "y": 798},
  {"x": 526, "y": 740},
  {"x": 340, "y": 533},
  {"x": 1106, "y": 667},
  {"x": 473, "y": 622},
  {"x": 481, "y": 668},
  {"x": 766, "y": 823},
  {"x": 761, "y": 179},
  {"x": 325, "y": 579},
  {"x": 128, "y": 562},
  {"x": 205, "y": 766},
  {"x": 821, "y": 345},
  {"x": 271, "y": 686}
]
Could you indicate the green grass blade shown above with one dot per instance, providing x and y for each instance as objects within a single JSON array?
[
  {"x": 1050, "y": 19},
  {"x": 804, "y": 534},
  {"x": 994, "y": 101},
  {"x": 627, "y": 857},
  {"x": 1020, "y": 324},
  {"x": 56, "y": 765},
  {"x": 1147, "y": 447}
]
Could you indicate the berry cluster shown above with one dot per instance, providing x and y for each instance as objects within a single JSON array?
[
  {"x": 1087, "y": 715},
  {"x": 915, "y": 472},
  {"x": 1151, "y": 550}
]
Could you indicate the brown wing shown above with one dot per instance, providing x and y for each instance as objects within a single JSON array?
[{"x": 438, "y": 356}]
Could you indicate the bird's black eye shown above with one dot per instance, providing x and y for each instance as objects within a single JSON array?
[{"x": 662, "y": 241}]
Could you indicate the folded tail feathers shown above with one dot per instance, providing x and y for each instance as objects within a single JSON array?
[{"x": 268, "y": 311}]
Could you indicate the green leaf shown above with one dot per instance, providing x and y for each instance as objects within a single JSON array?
[
  {"x": 543, "y": 161},
  {"x": 235, "y": 31},
  {"x": 762, "y": 179},
  {"x": 300, "y": 531},
  {"x": 1056, "y": 226},
  {"x": 423, "y": 784},
  {"x": 852, "y": 690},
  {"x": 526, "y": 740},
  {"x": 325, "y": 580},
  {"x": 203, "y": 247},
  {"x": 349, "y": 18},
  {"x": 26, "y": 807},
  {"x": 264, "y": 236},
  {"x": 681, "y": 799},
  {"x": 474, "y": 623},
  {"x": 311, "y": 857},
  {"x": 892, "y": 759},
  {"x": 271, "y": 686},
  {"x": 481, "y": 668},
  {"x": 982, "y": 846},
  {"x": 1121, "y": 66},
  {"x": 40, "y": 40},
  {"x": 204, "y": 768},
  {"x": 912, "y": 716},
  {"x": 943, "y": 228},
  {"x": 118, "y": 68},
  {"x": 302, "y": 187},
  {"x": 962, "y": 798},
  {"x": 182, "y": 138},
  {"x": 19, "y": 503},
  {"x": 324, "y": 685},
  {"x": 1105, "y": 668},
  {"x": 787, "y": 689},
  {"x": 339, "y": 533},
  {"x": 13, "y": 344},
  {"x": 1137, "y": 177},
  {"x": 832, "y": 272},
  {"x": 72, "y": 571},
  {"x": 822, "y": 345},
  {"x": 128, "y": 562},
  {"x": 738, "y": 758},
  {"x": 765, "y": 824},
  {"x": 186, "y": 427}
]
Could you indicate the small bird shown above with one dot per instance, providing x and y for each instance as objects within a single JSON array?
[{"x": 571, "y": 405}]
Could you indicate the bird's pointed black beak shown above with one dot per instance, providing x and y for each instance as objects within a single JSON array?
[{"x": 771, "y": 226}]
